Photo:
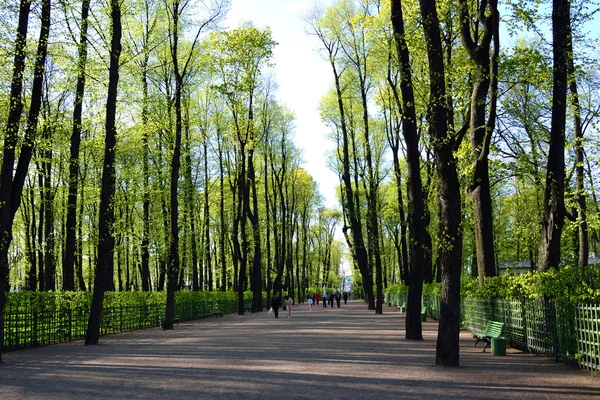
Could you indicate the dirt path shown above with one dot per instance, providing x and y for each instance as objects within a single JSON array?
[{"x": 347, "y": 353}]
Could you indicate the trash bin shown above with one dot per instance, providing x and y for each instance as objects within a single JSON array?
[
  {"x": 423, "y": 316},
  {"x": 499, "y": 346}
]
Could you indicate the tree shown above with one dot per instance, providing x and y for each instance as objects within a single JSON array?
[
  {"x": 71, "y": 223},
  {"x": 554, "y": 201},
  {"x": 331, "y": 46},
  {"x": 11, "y": 186},
  {"x": 485, "y": 81},
  {"x": 175, "y": 11},
  {"x": 106, "y": 214},
  {"x": 240, "y": 56},
  {"x": 415, "y": 190},
  {"x": 450, "y": 250}
]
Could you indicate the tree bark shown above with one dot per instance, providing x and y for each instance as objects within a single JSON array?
[
  {"x": 450, "y": 250},
  {"x": 554, "y": 202},
  {"x": 106, "y": 240},
  {"x": 583, "y": 248},
  {"x": 415, "y": 189},
  {"x": 481, "y": 131},
  {"x": 71, "y": 224}
]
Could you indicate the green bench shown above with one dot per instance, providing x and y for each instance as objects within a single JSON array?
[
  {"x": 402, "y": 307},
  {"x": 492, "y": 331},
  {"x": 215, "y": 312}
]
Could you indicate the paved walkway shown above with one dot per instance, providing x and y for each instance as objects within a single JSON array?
[{"x": 347, "y": 353}]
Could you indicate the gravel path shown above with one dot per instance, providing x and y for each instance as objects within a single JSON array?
[{"x": 348, "y": 353}]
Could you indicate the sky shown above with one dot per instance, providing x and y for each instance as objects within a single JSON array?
[{"x": 302, "y": 75}]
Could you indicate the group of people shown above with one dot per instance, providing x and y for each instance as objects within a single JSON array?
[
  {"x": 276, "y": 303},
  {"x": 312, "y": 299},
  {"x": 337, "y": 297}
]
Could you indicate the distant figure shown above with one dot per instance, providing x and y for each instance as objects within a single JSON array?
[
  {"x": 310, "y": 303},
  {"x": 288, "y": 304},
  {"x": 331, "y": 297},
  {"x": 324, "y": 300},
  {"x": 345, "y": 296},
  {"x": 317, "y": 298},
  {"x": 275, "y": 303},
  {"x": 338, "y": 298}
]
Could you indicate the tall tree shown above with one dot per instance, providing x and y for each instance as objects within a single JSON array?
[
  {"x": 351, "y": 207},
  {"x": 71, "y": 223},
  {"x": 554, "y": 200},
  {"x": 175, "y": 10},
  {"x": 415, "y": 189},
  {"x": 449, "y": 200},
  {"x": 11, "y": 186},
  {"x": 582, "y": 224},
  {"x": 106, "y": 213},
  {"x": 485, "y": 80}
]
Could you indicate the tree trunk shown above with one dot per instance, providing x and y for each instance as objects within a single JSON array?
[
  {"x": 554, "y": 202},
  {"x": 190, "y": 205},
  {"x": 583, "y": 248},
  {"x": 173, "y": 263},
  {"x": 145, "y": 242},
  {"x": 450, "y": 250},
  {"x": 70, "y": 240},
  {"x": 360, "y": 250},
  {"x": 106, "y": 240},
  {"x": 222, "y": 216},
  {"x": 253, "y": 214},
  {"x": 48, "y": 200},
  {"x": 415, "y": 189},
  {"x": 481, "y": 131}
]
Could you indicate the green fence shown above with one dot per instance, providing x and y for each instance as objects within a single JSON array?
[
  {"x": 564, "y": 331},
  {"x": 36, "y": 319}
]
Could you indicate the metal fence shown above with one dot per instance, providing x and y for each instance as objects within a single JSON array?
[
  {"x": 36, "y": 324},
  {"x": 564, "y": 331}
]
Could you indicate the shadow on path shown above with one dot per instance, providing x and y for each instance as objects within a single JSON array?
[{"x": 346, "y": 352}]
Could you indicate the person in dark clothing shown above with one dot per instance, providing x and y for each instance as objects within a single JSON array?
[
  {"x": 331, "y": 298},
  {"x": 338, "y": 298},
  {"x": 345, "y": 296},
  {"x": 324, "y": 300},
  {"x": 275, "y": 303}
]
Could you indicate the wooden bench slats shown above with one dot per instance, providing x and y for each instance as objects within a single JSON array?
[{"x": 492, "y": 331}]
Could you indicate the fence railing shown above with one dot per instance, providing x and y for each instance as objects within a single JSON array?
[
  {"x": 564, "y": 331},
  {"x": 36, "y": 323}
]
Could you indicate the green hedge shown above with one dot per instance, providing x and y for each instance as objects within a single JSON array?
[
  {"x": 39, "y": 318},
  {"x": 568, "y": 284}
]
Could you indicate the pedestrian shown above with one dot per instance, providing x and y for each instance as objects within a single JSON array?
[
  {"x": 317, "y": 298},
  {"x": 310, "y": 303},
  {"x": 288, "y": 303},
  {"x": 338, "y": 298},
  {"x": 275, "y": 303},
  {"x": 331, "y": 297},
  {"x": 324, "y": 300},
  {"x": 345, "y": 296}
]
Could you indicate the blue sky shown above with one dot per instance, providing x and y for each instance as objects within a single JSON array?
[{"x": 302, "y": 75}]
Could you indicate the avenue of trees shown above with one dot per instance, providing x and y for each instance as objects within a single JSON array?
[{"x": 144, "y": 150}]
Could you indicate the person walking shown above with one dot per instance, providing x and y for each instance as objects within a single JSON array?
[
  {"x": 310, "y": 303},
  {"x": 338, "y": 298},
  {"x": 345, "y": 296},
  {"x": 324, "y": 300},
  {"x": 288, "y": 304},
  {"x": 275, "y": 303}
]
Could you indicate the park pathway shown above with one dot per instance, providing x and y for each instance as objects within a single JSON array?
[{"x": 346, "y": 353}]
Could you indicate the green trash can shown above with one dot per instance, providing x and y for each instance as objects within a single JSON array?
[
  {"x": 499, "y": 346},
  {"x": 423, "y": 317}
]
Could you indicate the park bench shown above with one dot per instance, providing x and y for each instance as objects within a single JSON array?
[
  {"x": 402, "y": 307},
  {"x": 492, "y": 331},
  {"x": 215, "y": 312}
]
